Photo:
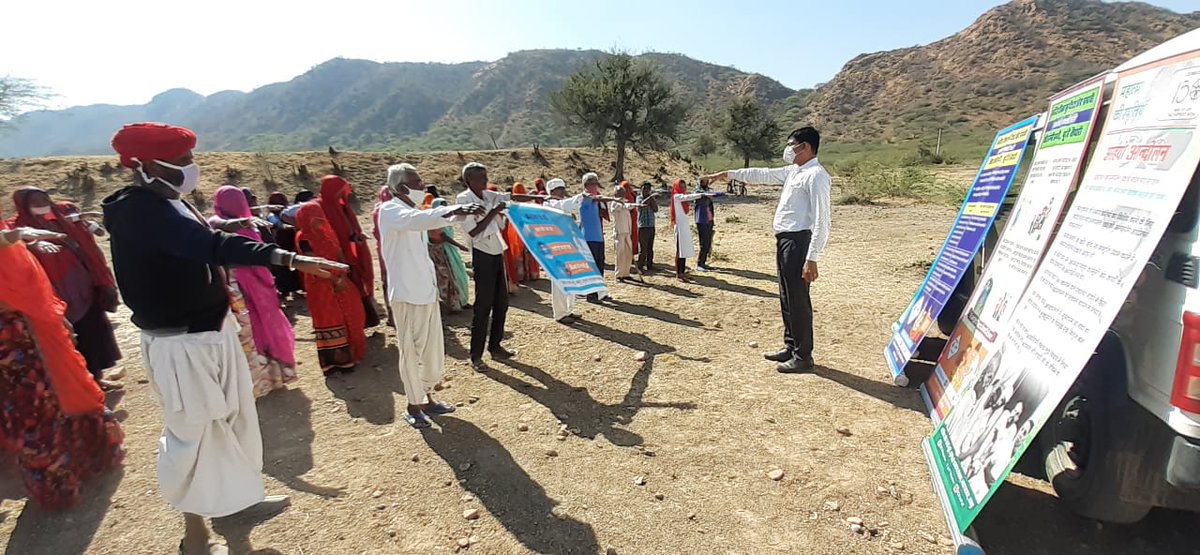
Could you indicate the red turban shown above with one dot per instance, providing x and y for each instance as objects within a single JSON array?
[{"x": 152, "y": 141}]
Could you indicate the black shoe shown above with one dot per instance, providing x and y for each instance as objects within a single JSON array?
[
  {"x": 478, "y": 365},
  {"x": 500, "y": 353},
  {"x": 782, "y": 356},
  {"x": 796, "y": 365}
]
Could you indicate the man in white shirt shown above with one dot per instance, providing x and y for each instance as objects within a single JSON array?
[
  {"x": 801, "y": 231},
  {"x": 412, "y": 288},
  {"x": 487, "y": 260}
]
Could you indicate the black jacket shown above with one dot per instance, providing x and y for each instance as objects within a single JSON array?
[{"x": 166, "y": 264}]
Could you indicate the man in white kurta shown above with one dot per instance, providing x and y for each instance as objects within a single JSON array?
[
  {"x": 561, "y": 303},
  {"x": 412, "y": 289}
]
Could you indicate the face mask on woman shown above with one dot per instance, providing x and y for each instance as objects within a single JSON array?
[{"x": 39, "y": 210}]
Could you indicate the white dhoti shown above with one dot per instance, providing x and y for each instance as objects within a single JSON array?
[
  {"x": 562, "y": 303},
  {"x": 422, "y": 348},
  {"x": 623, "y": 245},
  {"x": 210, "y": 453}
]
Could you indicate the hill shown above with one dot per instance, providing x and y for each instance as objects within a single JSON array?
[
  {"x": 359, "y": 104},
  {"x": 1000, "y": 68}
]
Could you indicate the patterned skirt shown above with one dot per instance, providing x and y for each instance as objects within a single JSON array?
[
  {"x": 448, "y": 291},
  {"x": 56, "y": 452},
  {"x": 267, "y": 373}
]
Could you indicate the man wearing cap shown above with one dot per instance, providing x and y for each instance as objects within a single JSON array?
[
  {"x": 562, "y": 303},
  {"x": 167, "y": 263}
]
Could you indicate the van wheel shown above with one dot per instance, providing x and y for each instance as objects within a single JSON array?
[{"x": 1079, "y": 460}]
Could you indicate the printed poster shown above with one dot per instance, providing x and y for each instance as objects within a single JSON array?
[
  {"x": 966, "y": 235},
  {"x": 557, "y": 243},
  {"x": 1053, "y": 172},
  {"x": 1139, "y": 171}
]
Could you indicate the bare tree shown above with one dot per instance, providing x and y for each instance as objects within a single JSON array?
[{"x": 18, "y": 94}]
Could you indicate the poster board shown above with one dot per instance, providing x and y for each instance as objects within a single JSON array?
[
  {"x": 1052, "y": 174},
  {"x": 556, "y": 241},
  {"x": 1142, "y": 164},
  {"x": 970, "y": 227}
]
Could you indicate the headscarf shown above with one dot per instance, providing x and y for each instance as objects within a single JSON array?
[
  {"x": 539, "y": 185},
  {"x": 437, "y": 203},
  {"x": 79, "y": 238},
  {"x": 385, "y": 194},
  {"x": 519, "y": 189},
  {"x": 630, "y": 195},
  {"x": 428, "y": 200},
  {"x": 277, "y": 199},
  {"x": 229, "y": 203},
  {"x": 250, "y": 196},
  {"x": 493, "y": 188},
  {"x": 678, "y": 189},
  {"x": 140, "y": 142},
  {"x": 312, "y": 226},
  {"x": 334, "y": 193},
  {"x": 25, "y": 288}
]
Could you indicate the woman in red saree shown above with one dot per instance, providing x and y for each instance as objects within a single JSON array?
[
  {"x": 334, "y": 303},
  {"x": 520, "y": 265},
  {"x": 335, "y": 193},
  {"x": 79, "y": 273},
  {"x": 52, "y": 413}
]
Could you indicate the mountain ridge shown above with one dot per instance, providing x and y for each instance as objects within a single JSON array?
[{"x": 1001, "y": 67}]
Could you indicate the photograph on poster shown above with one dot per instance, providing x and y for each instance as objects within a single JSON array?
[{"x": 999, "y": 421}]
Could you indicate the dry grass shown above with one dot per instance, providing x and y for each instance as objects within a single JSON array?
[{"x": 703, "y": 421}]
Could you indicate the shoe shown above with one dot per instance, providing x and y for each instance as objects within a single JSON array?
[
  {"x": 116, "y": 375},
  {"x": 594, "y": 300},
  {"x": 108, "y": 385},
  {"x": 500, "y": 353},
  {"x": 568, "y": 319},
  {"x": 796, "y": 365},
  {"x": 210, "y": 549},
  {"x": 703, "y": 268},
  {"x": 478, "y": 365},
  {"x": 782, "y": 356}
]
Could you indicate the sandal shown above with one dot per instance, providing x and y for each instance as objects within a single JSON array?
[
  {"x": 418, "y": 421},
  {"x": 439, "y": 408}
]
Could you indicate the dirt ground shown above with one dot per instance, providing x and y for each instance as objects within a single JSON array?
[{"x": 670, "y": 455}]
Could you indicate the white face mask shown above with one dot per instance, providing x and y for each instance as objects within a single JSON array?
[
  {"x": 417, "y": 196},
  {"x": 789, "y": 154},
  {"x": 39, "y": 210},
  {"x": 191, "y": 177}
]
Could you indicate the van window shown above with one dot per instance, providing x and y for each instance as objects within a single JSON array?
[{"x": 1189, "y": 208}]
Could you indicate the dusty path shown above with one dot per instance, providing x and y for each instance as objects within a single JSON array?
[{"x": 701, "y": 422}]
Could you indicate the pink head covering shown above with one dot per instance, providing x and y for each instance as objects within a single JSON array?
[{"x": 229, "y": 203}]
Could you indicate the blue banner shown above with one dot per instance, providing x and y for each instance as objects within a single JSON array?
[
  {"x": 966, "y": 236},
  {"x": 557, "y": 242}
]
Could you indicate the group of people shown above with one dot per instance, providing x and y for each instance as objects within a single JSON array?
[{"x": 206, "y": 295}]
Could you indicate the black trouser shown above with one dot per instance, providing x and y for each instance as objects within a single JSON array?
[
  {"x": 706, "y": 238},
  {"x": 597, "y": 248},
  {"x": 491, "y": 302},
  {"x": 645, "y": 259},
  {"x": 791, "y": 252}
]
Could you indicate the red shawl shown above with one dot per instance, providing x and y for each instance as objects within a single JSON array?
[
  {"x": 334, "y": 192},
  {"x": 25, "y": 288},
  {"x": 79, "y": 239}
]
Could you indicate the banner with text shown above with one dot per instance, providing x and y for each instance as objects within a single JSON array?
[
  {"x": 557, "y": 243},
  {"x": 1053, "y": 172},
  {"x": 965, "y": 237},
  {"x": 1141, "y": 167}
]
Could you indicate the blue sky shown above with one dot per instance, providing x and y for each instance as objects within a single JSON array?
[{"x": 126, "y": 51}]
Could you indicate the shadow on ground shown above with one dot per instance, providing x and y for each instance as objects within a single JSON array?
[
  {"x": 487, "y": 470},
  {"x": 1024, "y": 521}
]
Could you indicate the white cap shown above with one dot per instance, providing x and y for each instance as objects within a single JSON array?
[{"x": 555, "y": 183}]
